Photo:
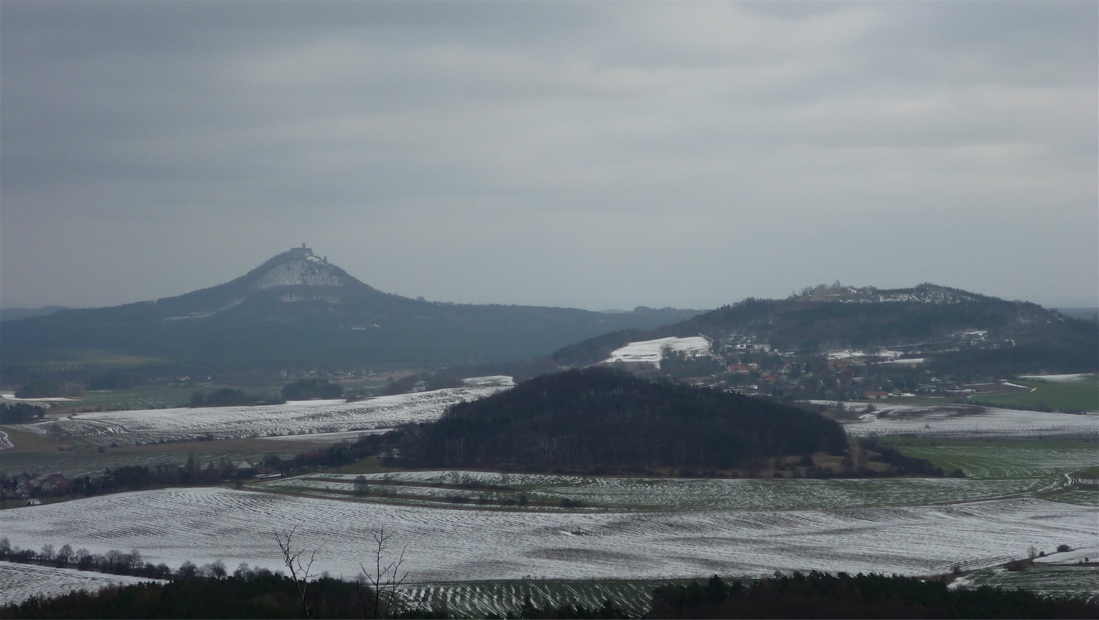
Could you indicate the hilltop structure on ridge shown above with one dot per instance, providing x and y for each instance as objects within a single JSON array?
[{"x": 295, "y": 312}]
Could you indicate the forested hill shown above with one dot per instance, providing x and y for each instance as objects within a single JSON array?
[
  {"x": 599, "y": 420},
  {"x": 957, "y": 331}
]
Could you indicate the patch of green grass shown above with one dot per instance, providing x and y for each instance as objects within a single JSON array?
[
  {"x": 179, "y": 395},
  {"x": 1080, "y": 395},
  {"x": 156, "y": 396},
  {"x": 1005, "y": 459},
  {"x": 91, "y": 360}
]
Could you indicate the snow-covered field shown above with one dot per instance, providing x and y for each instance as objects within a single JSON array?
[
  {"x": 652, "y": 351},
  {"x": 633, "y": 528},
  {"x": 207, "y": 524},
  {"x": 1060, "y": 378},
  {"x": 22, "y": 581},
  {"x": 293, "y": 418},
  {"x": 1049, "y": 580},
  {"x": 1071, "y": 557},
  {"x": 622, "y": 494},
  {"x": 887, "y": 354},
  {"x": 970, "y": 421}
]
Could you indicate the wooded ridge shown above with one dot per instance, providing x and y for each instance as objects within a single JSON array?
[{"x": 599, "y": 420}]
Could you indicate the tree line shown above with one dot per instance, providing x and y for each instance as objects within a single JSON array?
[
  {"x": 260, "y": 593},
  {"x": 18, "y": 413},
  {"x": 823, "y": 595},
  {"x": 114, "y": 562}
]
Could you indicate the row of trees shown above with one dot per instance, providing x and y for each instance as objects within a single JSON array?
[
  {"x": 229, "y": 397},
  {"x": 210, "y": 591},
  {"x": 302, "y": 389},
  {"x": 114, "y": 561},
  {"x": 259, "y": 593},
  {"x": 308, "y": 389},
  {"x": 45, "y": 387}
]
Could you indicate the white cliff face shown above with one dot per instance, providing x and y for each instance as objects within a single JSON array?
[{"x": 298, "y": 273}]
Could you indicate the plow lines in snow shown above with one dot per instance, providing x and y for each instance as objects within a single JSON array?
[{"x": 207, "y": 524}]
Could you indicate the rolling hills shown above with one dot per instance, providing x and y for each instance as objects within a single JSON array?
[{"x": 943, "y": 330}]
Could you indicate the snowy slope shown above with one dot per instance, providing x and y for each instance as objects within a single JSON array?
[
  {"x": 292, "y": 418},
  {"x": 652, "y": 351}
]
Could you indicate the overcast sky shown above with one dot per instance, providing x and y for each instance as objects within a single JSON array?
[{"x": 589, "y": 154}]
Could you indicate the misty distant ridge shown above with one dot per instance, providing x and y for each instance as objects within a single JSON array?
[
  {"x": 1087, "y": 314},
  {"x": 288, "y": 272},
  {"x": 301, "y": 268},
  {"x": 299, "y": 312},
  {"x": 295, "y": 312},
  {"x": 14, "y": 314}
]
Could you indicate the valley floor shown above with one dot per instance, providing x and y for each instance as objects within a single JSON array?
[{"x": 1017, "y": 495}]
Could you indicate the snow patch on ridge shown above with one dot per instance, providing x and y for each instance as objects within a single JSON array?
[
  {"x": 298, "y": 273},
  {"x": 652, "y": 351},
  {"x": 1060, "y": 378}
]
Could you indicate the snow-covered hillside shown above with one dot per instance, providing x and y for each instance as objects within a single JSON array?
[
  {"x": 293, "y": 418},
  {"x": 652, "y": 351},
  {"x": 207, "y": 524}
]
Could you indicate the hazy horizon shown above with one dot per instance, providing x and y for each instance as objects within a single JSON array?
[
  {"x": 608, "y": 309},
  {"x": 596, "y": 155}
]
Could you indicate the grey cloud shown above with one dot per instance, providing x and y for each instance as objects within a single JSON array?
[{"x": 692, "y": 153}]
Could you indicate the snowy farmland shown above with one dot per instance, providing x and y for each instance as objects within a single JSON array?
[
  {"x": 293, "y": 418},
  {"x": 970, "y": 421},
  {"x": 207, "y": 524},
  {"x": 628, "y": 528},
  {"x": 648, "y": 494},
  {"x": 1060, "y": 378},
  {"x": 21, "y": 581},
  {"x": 652, "y": 351}
]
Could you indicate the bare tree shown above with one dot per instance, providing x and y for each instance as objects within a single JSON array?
[
  {"x": 134, "y": 559},
  {"x": 361, "y": 485},
  {"x": 383, "y": 578},
  {"x": 299, "y": 566},
  {"x": 64, "y": 554}
]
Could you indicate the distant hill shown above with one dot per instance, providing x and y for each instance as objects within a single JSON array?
[
  {"x": 598, "y": 420},
  {"x": 297, "y": 311},
  {"x": 1087, "y": 314},
  {"x": 950, "y": 329},
  {"x": 14, "y": 314}
]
